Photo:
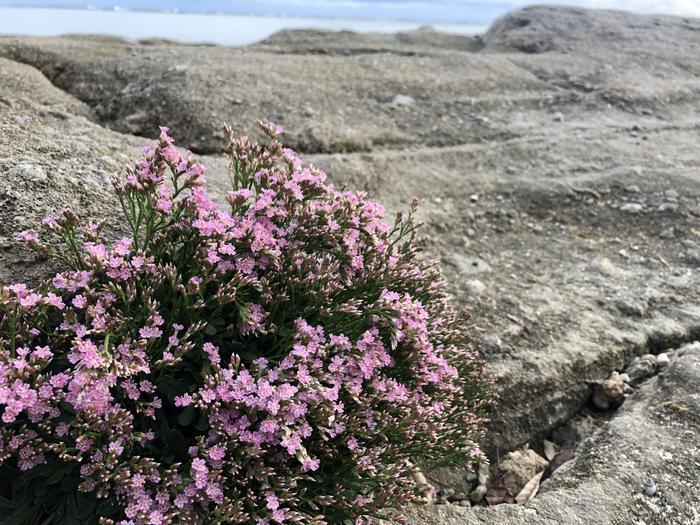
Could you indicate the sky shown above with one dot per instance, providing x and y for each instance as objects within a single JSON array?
[
  {"x": 671, "y": 7},
  {"x": 474, "y": 11}
]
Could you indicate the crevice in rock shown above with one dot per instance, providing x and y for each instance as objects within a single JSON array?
[{"x": 492, "y": 485}]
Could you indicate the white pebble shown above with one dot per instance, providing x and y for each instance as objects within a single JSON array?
[
  {"x": 662, "y": 360},
  {"x": 649, "y": 487}
]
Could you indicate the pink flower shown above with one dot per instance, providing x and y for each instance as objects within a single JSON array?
[
  {"x": 79, "y": 301},
  {"x": 150, "y": 332},
  {"x": 30, "y": 300}
]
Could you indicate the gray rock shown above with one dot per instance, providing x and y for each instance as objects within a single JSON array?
[{"x": 642, "y": 368}]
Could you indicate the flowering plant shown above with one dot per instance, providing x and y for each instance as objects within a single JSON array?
[{"x": 289, "y": 360}]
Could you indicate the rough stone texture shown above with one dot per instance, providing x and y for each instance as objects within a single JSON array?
[
  {"x": 518, "y": 467},
  {"x": 653, "y": 436},
  {"x": 550, "y": 154}
]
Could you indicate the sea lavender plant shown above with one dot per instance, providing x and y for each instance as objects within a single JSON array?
[{"x": 288, "y": 359}]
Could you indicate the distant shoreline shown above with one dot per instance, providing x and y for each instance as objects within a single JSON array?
[{"x": 221, "y": 29}]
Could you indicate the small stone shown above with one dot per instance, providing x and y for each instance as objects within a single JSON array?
[
  {"x": 671, "y": 194},
  {"x": 642, "y": 367},
  {"x": 662, "y": 360},
  {"x": 474, "y": 197},
  {"x": 649, "y": 487},
  {"x": 475, "y": 287},
  {"x": 558, "y": 117},
  {"x": 667, "y": 206},
  {"x": 668, "y": 233},
  {"x": 465, "y": 503},
  {"x": 609, "y": 393},
  {"x": 403, "y": 100},
  {"x": 631, "y": 207},
  {"x": 478, "y": 494},
  {"x": 549, "y": 449},
  {"x": 519, "y": 467},
  {"x": 625, "y": 378},
  {"x": 28, "y": 171},
  {"x": 633, "y": 188}
]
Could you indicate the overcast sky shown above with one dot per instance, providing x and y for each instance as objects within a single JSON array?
[
  {"x": 479, "y": 11},
  {"x": 671, "y": 7}
]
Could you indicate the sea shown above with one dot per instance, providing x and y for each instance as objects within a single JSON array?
[{"x": 241, "y": 22}]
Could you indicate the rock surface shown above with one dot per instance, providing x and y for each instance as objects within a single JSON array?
[
  {"x": 550, "y": 155},
  {"x": 652, "y": 437}
]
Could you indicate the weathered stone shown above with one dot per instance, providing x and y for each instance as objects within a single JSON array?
[
  {"x": 518, "y": 468},
  {"x": 641, "y": 368}
]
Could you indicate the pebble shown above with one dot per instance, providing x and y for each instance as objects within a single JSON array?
[
  {"x": 475, "y": 287},
  {"x": 631, "y": 207},
  {"x": 478, "y": 494},
  {"x": 633, "y": 188},
  {"x": 549, "y": 449},
  {"x": 609, "y": 393},
  {"x": 519, "y": 467},
  {"x": 662, "y": 360},
  {"x": 667, "y": 206},
  {"x": 558, "y": 117},
  {"x": 671, "y": 194},
  {"x": 465, "y": 503},
  {"x": 668, "y": 233},
  {"x": 624, "y": 378},
  {"x": 642, "y": 367},
  {"x": 403, "y": 100},
  {"x": 649, "y": 487}
]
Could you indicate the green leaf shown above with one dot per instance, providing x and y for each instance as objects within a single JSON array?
[
  {"x": 8, "y": 503},
  {"x": 202, "y": 423},
  {"x": 186, "y": 416},
  {"x": 177, "y": 443},
  {"x": 57, "y": 476},
  {"x": 69, "y": 484}
]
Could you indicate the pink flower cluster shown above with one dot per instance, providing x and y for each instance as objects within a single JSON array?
[{"x": 289, "y": 359}]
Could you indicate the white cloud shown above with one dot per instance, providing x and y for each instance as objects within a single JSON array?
[{"x": 669, "y": 7}]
